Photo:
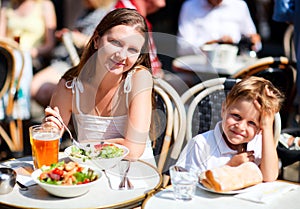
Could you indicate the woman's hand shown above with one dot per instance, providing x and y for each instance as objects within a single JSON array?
[
  {"x": 53, "y": 118},
  {"x": 241, "y": 158}
]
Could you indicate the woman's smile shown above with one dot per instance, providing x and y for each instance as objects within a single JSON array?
[{"x": 120, "y": 47}]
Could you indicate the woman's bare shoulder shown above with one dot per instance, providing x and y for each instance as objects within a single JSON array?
[
  {"x": 62, "y": 94},
  {"x": 64, "y": 87},
  {"x": 142, "y": 72}
]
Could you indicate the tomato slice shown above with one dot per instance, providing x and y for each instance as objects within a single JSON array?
[{"x": 57, "y": 171}]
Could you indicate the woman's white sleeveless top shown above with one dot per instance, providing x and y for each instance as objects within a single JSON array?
[{"x": 93, "y": 127}]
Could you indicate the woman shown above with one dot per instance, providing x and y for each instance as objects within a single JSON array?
[{"x": 110, "y": 92}]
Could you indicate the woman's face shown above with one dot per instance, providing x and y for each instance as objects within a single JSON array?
[
  {"x": 119, "y": 48},
  {"x": 240, "y": 121}
]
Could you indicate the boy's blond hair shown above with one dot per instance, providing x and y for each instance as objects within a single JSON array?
[{"x": 255, "y": 88}]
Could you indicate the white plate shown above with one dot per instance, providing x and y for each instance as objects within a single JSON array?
[
  {"x": 229, "y": 192},
  {"x": 103, "y": 163}
]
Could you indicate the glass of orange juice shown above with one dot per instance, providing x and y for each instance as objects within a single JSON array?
[{"x": 44, "y": 142}]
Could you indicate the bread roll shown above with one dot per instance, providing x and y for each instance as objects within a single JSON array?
[{"x": 227, "y": 178}]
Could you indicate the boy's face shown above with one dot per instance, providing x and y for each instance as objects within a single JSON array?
[{"x": 240, "y": 121}]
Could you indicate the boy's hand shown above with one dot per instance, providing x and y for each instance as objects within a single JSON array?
[
  {"x": 241, "y": 158},
  {"x": 267, "y": 117}
]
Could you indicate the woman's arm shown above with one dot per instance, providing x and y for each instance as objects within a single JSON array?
[
  {"x": 139, "y": 114},
  {"x": 61, "y": 105}
]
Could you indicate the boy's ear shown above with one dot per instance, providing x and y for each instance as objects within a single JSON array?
[{"x": 223, "y": 109}]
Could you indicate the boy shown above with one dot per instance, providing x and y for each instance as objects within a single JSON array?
[{"x": 244, "y": 134}]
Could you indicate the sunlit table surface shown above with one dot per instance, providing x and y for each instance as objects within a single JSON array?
[
  {"x": 100, "y": 196},
  {"x": 203, "y": 199},
  {"x": 199, "y": 64}
]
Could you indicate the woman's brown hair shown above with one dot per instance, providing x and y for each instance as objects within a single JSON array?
[{"x": 123, "y": 16}]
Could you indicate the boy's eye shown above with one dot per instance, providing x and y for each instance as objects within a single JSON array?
[
  {"x": 252, "y": 123},
  {"x": 236, "y": 116}
]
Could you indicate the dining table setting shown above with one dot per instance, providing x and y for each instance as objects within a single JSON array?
[
  {"x": 217, "y": 59},
  {"x": 278, "y": 194},
  {"x": 108, "y": 190},
  {"x": 224, "y": 187}
]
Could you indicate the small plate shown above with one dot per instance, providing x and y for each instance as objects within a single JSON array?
[{"x": 229, "y": 192}]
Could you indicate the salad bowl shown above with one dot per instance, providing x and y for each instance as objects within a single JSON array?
[
  {"x": 64, "y": 190},
  {"x": 103, "y": 155}
]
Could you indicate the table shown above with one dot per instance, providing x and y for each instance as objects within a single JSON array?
[
  {"x": 207, "y": 200},
  {"x": 100, "y": 196},
  {"x": 199, "y": 64}
]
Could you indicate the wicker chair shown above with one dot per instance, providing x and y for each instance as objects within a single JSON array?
[
  {"x": 13, "y": 135},
  {"x": 288, "y": 43},
  {"x": 168, "y": 144}
]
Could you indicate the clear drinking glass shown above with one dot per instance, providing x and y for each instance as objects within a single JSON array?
[
  {"x": 183, "y": 182},
  {"x": 44, "y": 142}
]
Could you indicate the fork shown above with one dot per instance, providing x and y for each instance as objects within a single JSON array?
[
  {"x": 76, "y": 143},
  {"x": 125, "y": 180}
]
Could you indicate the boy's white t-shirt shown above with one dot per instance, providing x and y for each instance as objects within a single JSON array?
[{"x": 208, "y": 150}]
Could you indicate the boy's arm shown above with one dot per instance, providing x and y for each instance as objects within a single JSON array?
[{"x": 269, "y": 159}]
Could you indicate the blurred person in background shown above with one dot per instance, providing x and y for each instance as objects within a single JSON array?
[
  {"x": 214, "y": 21},
  {"x": 44, "y": 82},
  {"x": 31, "y": 23},
  {"x": 289, "y": 11}
]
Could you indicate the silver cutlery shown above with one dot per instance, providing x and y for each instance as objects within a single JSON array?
[
  {"x": 108, "y": 179},
  {"x": 74, "y": 141},
  {"x": 22, "y": 186},
  {"x": 125, "y": 182}
]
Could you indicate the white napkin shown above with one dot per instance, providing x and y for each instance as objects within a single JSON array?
[
  {"x": 26, "y": 180},
  {"x": 266, "y": 192},
  {"x": 24, "y": 176},
  {"x": 115, "y": 179},
  {"x": 23, "y": 170}
]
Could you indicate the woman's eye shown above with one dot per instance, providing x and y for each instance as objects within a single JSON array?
[
  {"x": 133, "y": 50},
  {"x": 115, "y": 42}
]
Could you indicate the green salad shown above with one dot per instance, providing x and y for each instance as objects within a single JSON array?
[
  {"x": 70, "y": 173},
  {"x": 106, "y": 150}
]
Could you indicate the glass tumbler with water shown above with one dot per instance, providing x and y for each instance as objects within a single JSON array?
[{"x": 183, "y": 182}]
